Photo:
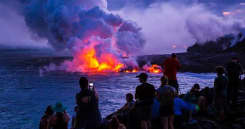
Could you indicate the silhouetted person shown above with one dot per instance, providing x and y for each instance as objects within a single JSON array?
[
  {"x": 129, "y": 103},
  {"x": 165, "y": 95},
  {"x": 46, "y": 119},
  {"x": 179, "y": 106},
  {"x": 220, "y": 91},
  {"x": 234, "y": 70},
  {"x": 115, "y": 124},
  {"x": 61, "y": 118},
  {"x": 123, "y": 113},
  {"x": 171, "y": 67},
  {"x": 88, "y": 115},
  {"x": 74, "y": 118},
  {"x": 144, "y": 95},
  {"x": 193, "y": 95}
]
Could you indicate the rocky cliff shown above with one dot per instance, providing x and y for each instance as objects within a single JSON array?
[{"x": 204, "y": 57}]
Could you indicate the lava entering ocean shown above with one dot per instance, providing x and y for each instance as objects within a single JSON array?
[
  {"x": 152, "y": 68},
  {"x": 86, "y": 60}
]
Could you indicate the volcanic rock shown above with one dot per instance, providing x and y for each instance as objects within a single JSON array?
[{"x": 203, "y": 58}]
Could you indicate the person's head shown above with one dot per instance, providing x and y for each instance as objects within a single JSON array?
[
  {"x": 173, "y": 55},
  {"x": 142, "y": 77},
  {"x": 164, "y": 80},
  {"x": 234, "y": 59},
  {"x": 83, "y": 82},
  {"x": 76, "y": 108},
  {"x": 49, "y": 110},
  {"x": 59, "y": 108},
  {"x": 129, "y": 97},
  {"x": 196, "y": 87},
  {"x": 220, "y": 70}
]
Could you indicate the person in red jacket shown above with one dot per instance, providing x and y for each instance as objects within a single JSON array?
[{"x": 171, "y": 67}]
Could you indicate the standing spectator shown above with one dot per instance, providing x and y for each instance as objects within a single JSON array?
[
  {"x": 165, "y": 95},
  {"x": 61, "y": 118},
  {"x": 144, "y": 95},
  {"x": 234, "y": 70},
  {"x": 45, "y": 121},
  {"x": 88, "y": 115},
  {"x": 220, "y": 91},
  {"x": 171, "y": 67}
]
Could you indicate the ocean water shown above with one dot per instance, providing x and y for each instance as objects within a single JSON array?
[{"x": 24, "y": 93}]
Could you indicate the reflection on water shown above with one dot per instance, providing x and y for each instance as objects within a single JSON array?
[{"x": 24, "y": 94}]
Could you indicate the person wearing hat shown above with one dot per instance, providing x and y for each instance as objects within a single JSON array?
[
  {"x": 45, "y": 120},
  {"x": 144, "y": 96},
  {"x": 61, "y": 118}
]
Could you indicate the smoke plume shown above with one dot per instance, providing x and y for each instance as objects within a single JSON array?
[
  {"x": 64, "y": 23},
  {"x": 173, "y": 26}
]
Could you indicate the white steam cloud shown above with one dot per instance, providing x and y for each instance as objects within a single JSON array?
[{"x": 171, "y": 27}]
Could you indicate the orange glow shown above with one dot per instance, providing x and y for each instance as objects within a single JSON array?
[
  {"x": 226, "y": 13},
  {"x": 131, "y": 71},
  {"x": 174, "y": 46},
  {"x": 87, "y": 61},
  {"x": 152, "y": 69}
]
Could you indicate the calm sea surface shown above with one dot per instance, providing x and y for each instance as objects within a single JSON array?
[{"x": 24, "y": 94}]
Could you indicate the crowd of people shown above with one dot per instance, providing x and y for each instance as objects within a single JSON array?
[{"x": 150, "y": 108}]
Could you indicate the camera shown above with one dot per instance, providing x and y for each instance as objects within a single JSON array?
[{"x": 91, "y": 86}]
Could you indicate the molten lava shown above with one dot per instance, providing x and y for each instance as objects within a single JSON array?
[
  {"x": 86, "y": 60},
  {"x": 153, "y": 68},
  {"x": 90, "y": 59}
]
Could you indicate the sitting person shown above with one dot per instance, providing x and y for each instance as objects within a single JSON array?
[
  {"x": 129, "y": 103},
  {"x": 165, "y": 95},
  {"x": 123, "y": 112},
  {"x": 193, "y": 95},
  {"x": 45, "y": 120},
  {"x": 115, "y": 124},
  {"x": 179, "y": 106},
  {"x": 220, "y": 91},
  {"x": 88, "y": 115},
  {"x": 61, "y": 118}
]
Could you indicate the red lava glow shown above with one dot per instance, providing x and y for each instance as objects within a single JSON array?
[
  {"x": 225, "y": 13},
  {"x": 89, "y": 60},
  {"x": 131, "y": 71},
  {"x": 86, "y": 60},
  {"x": 153, "y": 68},
  {"x": 174, "y": 46}
]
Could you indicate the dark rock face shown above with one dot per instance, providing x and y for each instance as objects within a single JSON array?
[{"x": 204, "y": 57}]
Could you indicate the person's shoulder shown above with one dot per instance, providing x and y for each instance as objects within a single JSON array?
[
  {"x": 139, "y": 86},
  {"x": 151, "y": 86},
  {"x": 224, "y": 78},
  {"x": 217, "y": 78},
  {"x": 148, "y": 84},
  {"x": 78, "y": 94}
]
